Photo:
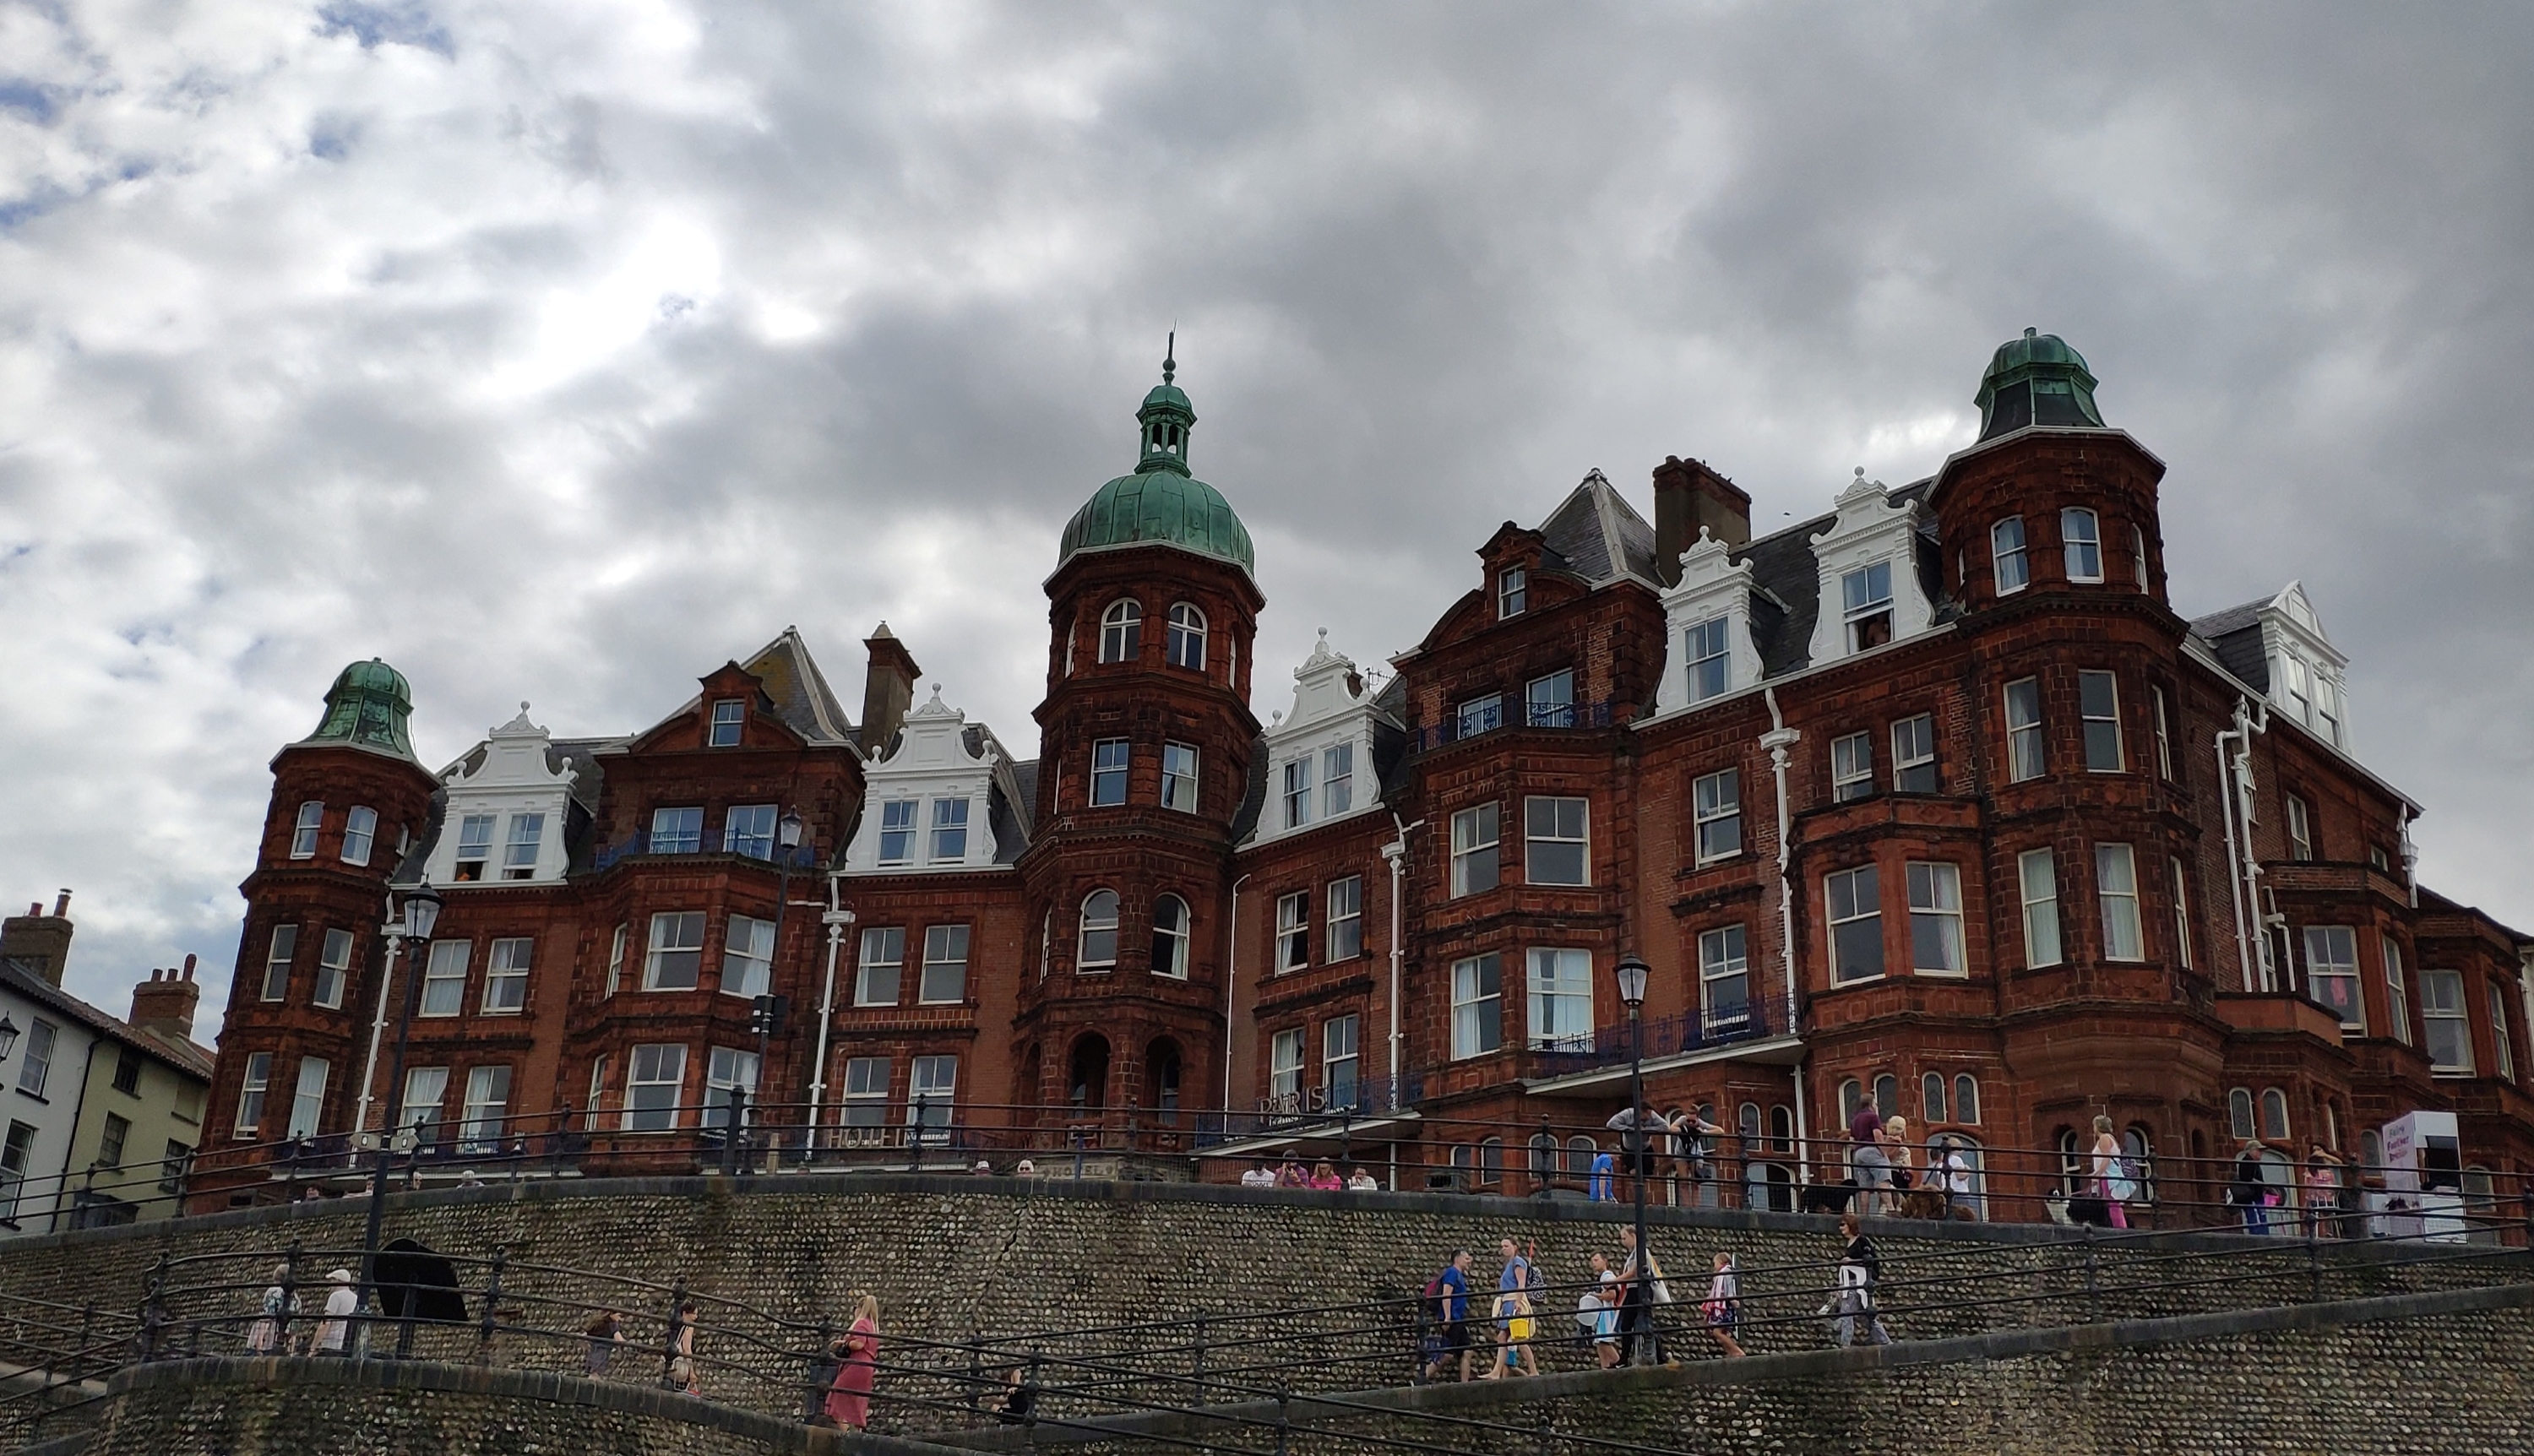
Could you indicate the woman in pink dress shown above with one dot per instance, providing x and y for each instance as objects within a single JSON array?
[{"x": 849, "y": 1398}]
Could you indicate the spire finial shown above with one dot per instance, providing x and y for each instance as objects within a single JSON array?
[{"x": 1169, "y": 357}]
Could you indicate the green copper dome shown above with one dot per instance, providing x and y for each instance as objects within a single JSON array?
[
  {"x": 2036, "y": 380},
  {"x": 1161, "y": 503},
  {"x": 367, "y": 707}
]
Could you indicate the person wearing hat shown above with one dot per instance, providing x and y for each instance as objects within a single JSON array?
[{"x": 341, "y": 1300}]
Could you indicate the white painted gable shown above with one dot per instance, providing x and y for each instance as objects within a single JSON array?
[
  {"x": 1712, "y": 587},
  {"x": 1870, "y": 529},
  {"x": 914, "y": 798},
  {"x": 2309, "y": 676},
  {"x": 1330, "y": 727},
  {"x": 510, "y": 798}
]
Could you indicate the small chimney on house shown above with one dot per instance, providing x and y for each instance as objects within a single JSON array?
[
  {"x": 165, "y": 1004},
  {"x": 888, "y": 689},
  {"x": 1687, "y": 496},
  {"x": 39, "y": 943}
]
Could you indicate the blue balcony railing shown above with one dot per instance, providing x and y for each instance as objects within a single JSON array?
[
  {"x": 1666, "y": 1036},
  {"x": 1477, "y": 723},
  {"x": 639, "y": 843}
]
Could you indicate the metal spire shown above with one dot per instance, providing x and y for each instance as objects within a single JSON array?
[{"x": 1169, "y": 357}]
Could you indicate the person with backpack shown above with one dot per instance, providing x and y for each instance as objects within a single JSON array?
[
  {"x": 1722, "y": 1307},
  {"x": 1447, "y": 1302},
  {"x": 1861, "y": 1269}
]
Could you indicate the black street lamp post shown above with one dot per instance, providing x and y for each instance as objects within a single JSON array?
[
  {"x": 421, "y": 917},
  {"x": 1632, "y": 974}
]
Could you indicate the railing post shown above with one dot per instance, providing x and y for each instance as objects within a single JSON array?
[
  {"x": 1196, "y": 1366},
  {"x": 1284, "y": 1415},
  {"x": 1548, "y": 1434},
  {"x": 492, "y": 1299}
]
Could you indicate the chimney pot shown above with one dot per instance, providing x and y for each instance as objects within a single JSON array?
[
  {"x": 62, "y": 905},
  {"x": 1690, "y": 496},
  {"x": 888, "y": 689},
  {"x": 189, "y": 965}
]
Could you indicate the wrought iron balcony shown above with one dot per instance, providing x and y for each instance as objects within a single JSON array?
[
  {"x": 1479, "y": 723},
  {"x": 1666, "y": 1036}
]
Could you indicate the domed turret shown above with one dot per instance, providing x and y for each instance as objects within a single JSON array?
[
  {"x": 367, "y": 707},
  {"x": 2036, "y": 380},
  {"x": 1161, "y": 503}
]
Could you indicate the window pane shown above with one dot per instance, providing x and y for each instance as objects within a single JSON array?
[
  {"x": 1477, "y": 1022},
  {"x": 1474, "y": 850},
  {"x": 945, "y": 965},
  {"x": 1855, "y": 924},
  {"x": 1555, "y": 842},
  {"x": 1098, "y": 949},
  {"x": 2006, "y": 549},
  {"x": 897, "y": 832},
  {"x": 1913, "y": 754},
  {"x": 676, "y": 831},
  {"x": 676, "y": 957},
  {"x": 2038, "y": 875},
  {"x": 1345, "y": 938},
  {"x": 2083, "y": 537},
  {"x": 1851, "y": 768},
  {"x": 444, "y": 978},
  {"x": 2116, "y": 885},
  {"x": 884, "y": 957},
  {"x": 2098, "y": 701},
  {"x": 1709, "y": 660},
  {"x": 1109, "y": 771},
  {"x": 1561, "y": 999},
  {"x": 747, "y": 956},
  {"x": 1550, "y": 702},
  {"x": 1718, "y": 807},
  {"x": 2024, "y": 730},
  {"x": 949, "y": 830},
  {"x": 1725, "y": 977},
  {"x": 1936, "y": 918}
]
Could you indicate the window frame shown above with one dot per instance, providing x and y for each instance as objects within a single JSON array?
[
  {"x": 444, "y": 985},
  {"x": 1342, "y": 919},
  {"x": 1971, "y": 1116},
  {"x": 2300, "y": 827},
  {"x": 1180, "y": 781},
  {"x": 305, "y": 828},
  {"x": 473, "y": 851},
  {"x": 2163, "y": 726},
  {"x": 655, "y": 949},
  {"x": 727, "y": 1070},
  {"x": 1293, "y": 931},
  {"x": 2028, "y": 751},
  {"x": 897, "y": 822},
  {"x": 2502, "y": 1045},
  {"x": 1121, "y": 631},
  {"x": 685, "y": 840},
  {"x": 360, "y": 827},
  {"x": 882, "y": 952},
  {"x": 1287, "y": 1059},
  {"x": 1477, "y": 1007},
  {"x": 1475, "y": 718},
  {"x": 1864, "y": 885},
  {"x": 282, "y": 950},
  {"x": 2182, "y": 948},
  {"x": 636, "y": 1110},
  {"x": 1085, "y": 928},
  {"x": 728, "y": 724},
  {"x": 1723, "y": 955},
  {"x": 1557, "y": 840},
  {"x": 2329, "y": 967},
  {"x": 1107, "y": 783},
  {"x": 1350, "y": 1056},
  {"x": 1180, "y": 633},
  {"x": 1549, "y": 710},
  {"x": 1337, "y": 781},
  {"x": 1297, "y": 791},
  {"x": 1513, "y": 592},
  {"x": 2117, "y": 901},
  {"x": 2456, "y": 1019},
  {"x": 1941, "y": 880},
  {"x": 1171, "y": 945},
  {"x": 1558, "y": 979},
  {"x": 1858, "y": 608},
  {"x": 1466, "y": 856},
  {"x": 754, "y": 972},
  {"x": 484, "y": 1107},
  {"x": 2077, "y": 547},
  {"x": 523, "y": 845},
  {"x": 1851, "y": 777},
  {"x": 503, "y": 975},
  {"x": 932, "y": 1095},
  {"x": 1999, "y": 553},
  {"x": 307, "y": 1103},
  {"x": 949, "y": 827},
  {"x": 255, "y": 1088},
  {"x": 1710, "y": 810},
  {"x": 2397, "y": 991},
  {"x": 1906, "y": 764},
  {"x": 2102, "y": 729},
  {"x": 2048, "y": 860},
  {"x": 1697, "y": 640},
  {"x": 748, "y": 829},
  {"x": 946, "y": 951}
]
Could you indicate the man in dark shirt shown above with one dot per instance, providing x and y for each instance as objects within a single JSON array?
[
  {"x": 1866, "y": 1158},
  {"x": 1450, "y": 1303}
]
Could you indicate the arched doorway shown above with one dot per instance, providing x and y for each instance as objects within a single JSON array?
[
  {"x": 1162, "y": 1079},
  {"x": 1086, "y": 1081}
]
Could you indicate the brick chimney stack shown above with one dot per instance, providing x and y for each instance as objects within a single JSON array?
[
  {"x": 165, "y": 1002},
  {"x": 1687, "y": 496},
  {"x": 888, "y": 689},
  {"x": 36, "y": 942}
]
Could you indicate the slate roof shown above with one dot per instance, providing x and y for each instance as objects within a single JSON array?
[
  {"x": 1011, "y": 816},
  {"x": 2235, "y": 636},
  {"x": 1595, "y": 534},
  {"x": 178, "y": 1052},
  {"x": 1783, "y": 567},
  {"x": 799, "y": 691}
]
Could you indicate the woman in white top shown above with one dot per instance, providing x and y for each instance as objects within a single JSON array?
[
  {"x": 340, "y": 1300},
  {"x": 2107, "y": 1171}
]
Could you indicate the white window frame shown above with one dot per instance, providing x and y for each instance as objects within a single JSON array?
[
  {"x": 932, "y": 1096},
  {"x": 483, "y": 1116},
  {"x": 2102, "y": 728},
  {"x": 1859, "y": 603},
  {"x": 2163, "y": 732},
  {"x": 475, "y": 846},
  {"x": 748, "y": 829},
  {"x": 1285, "y": 1069},
  {"x": 1467, "y": 848},
  {"x": 747, "y": 957},
  {"x": 307, "y": 1098},
  {"x": 668, "y": 921},
  {"x": 1560, "y": 834},
  {"x": 2138, "y": 554},
  {"x": 949, "y": 835},
  {"x": 1513, "y": 592},
  {"x": 2300, "y": 822},
  {"x": 1936, "y": 918},
  {"x": 727, "y": 1070},
  {"x": 2013, "y": 579},
  {"x": 897, "y": 830},
  {"x": 2082, "y": 549},
  {"x": 1337, "y": 781},
  {"x": 1180, "y": 781},
  {"x": 1723, "y": 956},
  {"x": 651, "y": 1111},
  {"x": 1708, "y": 646},
  {"x": 2116, "y": 891},
  {"x": 1086, "y": 960},
  {"x": 1479, "y": 715},
  {"x": 728, "y": 725},
  {"x": 1560, "y": 1009},
  {"x": 1342, "y": 1048},
  {"x": 444, "y": 978},
  {"x": 2028, "y": 755},
  {"x": 864, "y": 1102},
  {"x": 1121, "y": 631},
  {"x": 1861, "y": 886},
  {"x": 1715, "y": 803},
  {"x": 420, "y": 1113},
  {"x": 523, "y": 846},
  {"x": 1543, "y": 706},
  {"x": 882, "y": 954},
  {"x": 2503, "y": 1045},
  {"x": 686, "y": 832},
  {"x": 1298, "y": 792},
  {"x": 942, "y": 981},
  {"x": 1342, "y": 926},
  {"x": 1293, "y": 930},
  {"x": 279, "y": 952},
  {"x": 360, "y": 834},
  {"x": 255, "y": 1084},
  {"x": 334, "y": 968},
  {"x": 2181, "y": 914},
  {"x": 2037, "y": 870},
  {"x": 2398, "y": 992},
  {"x": 1187, "y": 628},
  {"x": 304, "y": 830},
  {"x": 1852, "y": 766},
  {"x": 1111, "y": 760},
  {"x": 506, "y": 975},
  {"x": 36, "y": 1056},
  {"x": 2325, "y": 962},
  {"x": 1170, "y": 943},
  {"x": 1913, "y": 747},
  {"x": 1478, "y": 1011}
]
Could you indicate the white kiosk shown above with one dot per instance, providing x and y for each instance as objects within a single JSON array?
[{"x": 2423, "y": 1194}]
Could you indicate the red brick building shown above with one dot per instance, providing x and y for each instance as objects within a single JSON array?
[{"x": 1933, "y": 800}]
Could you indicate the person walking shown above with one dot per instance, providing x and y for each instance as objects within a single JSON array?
[
  {"x": 2110, "y": 1179},
  {"x": 1724, "y": 1306},
  {"x": 681, "y": 1374},
  {"x": 1866, "y": 1160},
  {"x": 2250, "y": 1191},
  {"x": 1604, "y": 1301},
  {"x": 334, "y": 1335},
  {"x": 1513, "y": 1316},
  {"x": 1640, "y": 1289},
  {"x": 603, "y": 1333},
  {"x": 1860, "y": 1270},
  {"x": 849, "y": 1398},
  {"x": 1448, "y": 1299}
]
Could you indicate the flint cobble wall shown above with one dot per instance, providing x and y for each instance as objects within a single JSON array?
[{"x": 951, "y": 1258}]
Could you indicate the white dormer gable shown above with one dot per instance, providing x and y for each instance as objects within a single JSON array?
[
  {"x": 1707, "y": 628},
  {"x": 1869, "y": 574},
  {"x": 2309, "y": 676},
  {"x": 508, "y": 809},
  {"x": 1319, "y": 756},
  {"x": 929, "y": 805}
]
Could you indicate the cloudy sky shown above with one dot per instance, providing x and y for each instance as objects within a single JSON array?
[{"x": 562, "y": 351}]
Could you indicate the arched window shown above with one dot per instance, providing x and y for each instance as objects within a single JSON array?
[
  {"x": 2081, "y": 533},
  {"x": 1887, "y": 1095},
  {"x": 1121, "y": 631},
  {"x": 1969, "y": 1184},
  {"x": 1781, "y": 1128},
  {"x": 1768, "y": 1186},
  {"x": 1162, "y": 1067},
  {"x": 2138, "y": 1152},
  {"x": 1852, "y": 1096},
  {"x": 2239, "y": 1114},
  {"x": 1492, "y": 1161},
  {"x": 1171, "y": 938},
  {"x": 2371, "y": 1153},
  {"x": 1543, "y": 1157},
  {"x": 2280, "y": 1175},
  {"x": 1967, "y": 1099},
  {"x": 2275, "y": 1114},
  {"x": 1931, "y": 1096},
  {"x": 1097, "y": 949},
  {"x": 1580, "y": 1152},
  {"x": 1746, "y": 1124},
  {"x": 1185, "y": 645}
]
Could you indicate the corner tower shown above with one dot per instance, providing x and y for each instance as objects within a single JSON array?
[{"x": 1145, "y": 745}]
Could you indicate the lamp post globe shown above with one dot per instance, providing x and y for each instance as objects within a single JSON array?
[{"x": 8, "y": 1037}]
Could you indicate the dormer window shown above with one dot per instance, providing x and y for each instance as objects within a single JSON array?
[
  {"x": 1121, "y": 632},
  {"x": 2082, "y": 535},
  {"x": 728, "y": 716},
  {"x": 1184, "y": 647},
  {"x": 1711, "y": 665},
  {"x": 1513, "y": 592},
  {"x": 897, "y": 831},
  {"x": 949, "y": 830},
  {"x": 474, "y": 846},
  {"x": 2012, "y": 565},
  {"x": 1865, "y": 594},
  {"x": 1298, "y": 792},
  {"x": 1337, "y": 781},
  {"x": 520, "y": 855}
]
